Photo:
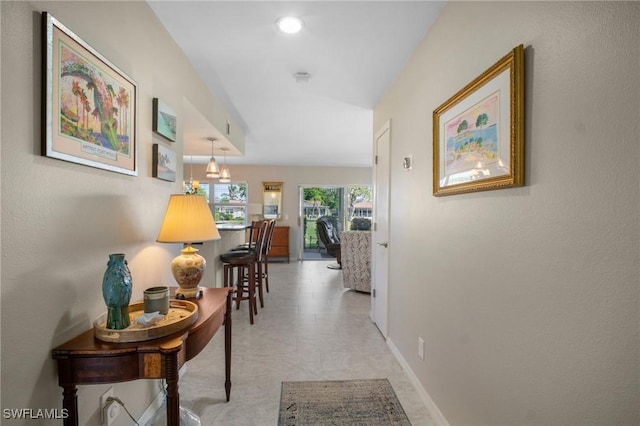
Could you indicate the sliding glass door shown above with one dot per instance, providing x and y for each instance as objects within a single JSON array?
[{"x": 336, "y": 204}]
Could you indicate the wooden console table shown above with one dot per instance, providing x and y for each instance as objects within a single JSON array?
[{"x": 86, "y": 360}]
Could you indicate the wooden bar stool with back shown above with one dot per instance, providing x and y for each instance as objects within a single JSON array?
[{"x": 244, "y": 264}]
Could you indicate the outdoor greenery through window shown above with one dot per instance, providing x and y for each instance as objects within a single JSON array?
[
  {"x": 349, "y": 208},
  {"x": 228, "y": 201},
  {"x": 327, "y": 201}
]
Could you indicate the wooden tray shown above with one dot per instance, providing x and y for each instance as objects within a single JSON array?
[{"x": 181, "y": 315}]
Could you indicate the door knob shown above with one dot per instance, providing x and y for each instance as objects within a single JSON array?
[{"x": 385, "y": 244}]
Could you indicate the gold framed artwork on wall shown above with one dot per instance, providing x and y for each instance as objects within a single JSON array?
[
  {"x": 89, "y": 105},
  {"x": 272, "y": 200},
  {"x": 478, "y": 134}
]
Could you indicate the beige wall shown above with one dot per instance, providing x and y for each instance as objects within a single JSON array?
[
  {"x": 292, "y": 177},
  {"x": 527, "y": 298},
  {"x": 60, "y": 220}
]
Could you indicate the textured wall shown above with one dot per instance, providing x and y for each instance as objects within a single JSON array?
[
  {"x": 527, "y": 298},
  {"x": 61, "y": 220}
]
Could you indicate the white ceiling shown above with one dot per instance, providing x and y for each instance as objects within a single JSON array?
[{"x": 353, "y": 50}]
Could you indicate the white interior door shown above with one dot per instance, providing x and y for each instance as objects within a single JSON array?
[{"x": 380, "y": 240}]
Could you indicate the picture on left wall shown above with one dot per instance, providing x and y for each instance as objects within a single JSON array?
[
  {"x": 164, "y": 163},
  {"x": 89, "y": 104},
  {"x": 164, "y": 120}
]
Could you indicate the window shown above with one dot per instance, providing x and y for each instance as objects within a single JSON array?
[{"x": 229, "y": 202}]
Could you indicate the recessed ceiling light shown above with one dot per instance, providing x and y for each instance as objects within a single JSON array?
[{"x": 289, "y": 24}]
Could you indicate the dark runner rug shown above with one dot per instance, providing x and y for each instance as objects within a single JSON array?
[{"x": 342, "y": 402}]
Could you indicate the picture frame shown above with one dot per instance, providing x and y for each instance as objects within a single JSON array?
[
  {"x": 272, "y": 200},
  {"x": 164, "y": 120},
  {"x": 89, "y": 104},
  {"x": 478, "y": 134},
  {"x": 164, "y": 163}
]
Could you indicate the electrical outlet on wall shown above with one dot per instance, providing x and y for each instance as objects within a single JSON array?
[
  {"x": 109, "y": 409},
  {"x": 103, "y": 403}
]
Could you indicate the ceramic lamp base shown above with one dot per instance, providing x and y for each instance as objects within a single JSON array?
[
  {"x": 187, "y": 269},
  {"x": 191, "y": 293}
]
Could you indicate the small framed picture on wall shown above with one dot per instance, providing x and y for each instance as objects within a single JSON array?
[
  {"x": 164, "y": 120},
  {"x": 164, "y": 163}
]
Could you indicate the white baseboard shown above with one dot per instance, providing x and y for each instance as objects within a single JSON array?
[
  {"x": 433, "y": 409},
  {"x": 157, "y": 402}
]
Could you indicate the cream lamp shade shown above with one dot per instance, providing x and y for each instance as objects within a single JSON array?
[{"x": 187, "y": 220}]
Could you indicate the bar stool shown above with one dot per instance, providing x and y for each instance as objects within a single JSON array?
[
  {"x": 264, "y": 261},
  {"x": 252, "y": 237},
  {"x": 243, "y": 263},
  {"x": 261, "y": 267}
]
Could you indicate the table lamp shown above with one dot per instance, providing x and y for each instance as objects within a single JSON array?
[{"x": 188, "y": 219}]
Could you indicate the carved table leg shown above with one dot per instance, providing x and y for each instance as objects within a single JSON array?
[
  {"x": 70, "y": 404},
  {"x": 173, "y": 397}
]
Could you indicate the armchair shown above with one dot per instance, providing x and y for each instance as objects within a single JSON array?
[{"x": 328, "y": 236}]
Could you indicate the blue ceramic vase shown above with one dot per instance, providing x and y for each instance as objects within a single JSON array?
[{"x": 116, "y": 290}]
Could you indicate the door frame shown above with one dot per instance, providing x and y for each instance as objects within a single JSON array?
[
  {"x": 386, "y": 127},
  {"x": 301, "y": 188}
]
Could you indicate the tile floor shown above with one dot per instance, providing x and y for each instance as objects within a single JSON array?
[{"x": 311, "y": 328}]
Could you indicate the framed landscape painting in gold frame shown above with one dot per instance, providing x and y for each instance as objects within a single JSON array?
[
  {"x": 89, "y": 105},
  {"x": 478, "y": 134}
]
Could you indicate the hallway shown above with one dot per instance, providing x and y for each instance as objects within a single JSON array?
[{"x": 311, "y": 328}]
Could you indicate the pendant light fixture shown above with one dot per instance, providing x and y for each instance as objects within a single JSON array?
[
  {"x": 213, "y": 172},
  {"x": 225, "y": 174},
  {"x": 193, "y": 185}
]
